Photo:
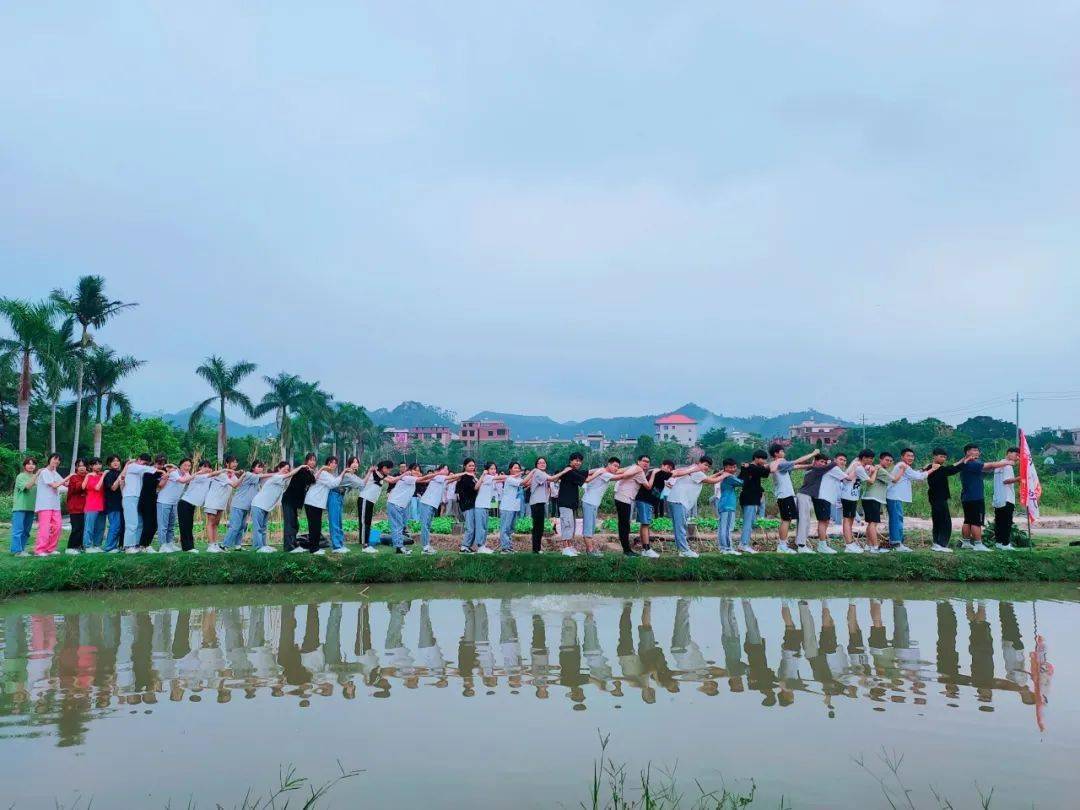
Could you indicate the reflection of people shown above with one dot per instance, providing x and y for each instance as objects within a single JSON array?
[
  {"x": 787, "y": 674},
  {"x": 570, "y": 674},
  {"x": 730, "y": 641},
  {"x": 539, "y": 659},
  {"x": 981, "y": 647},
  {"x": 948, "y": 659},
  {"x": 367, "y": 662},
  {"x": 427, "y": 648},
  {"x": 599, "y": 668},
  {"x": 652, "y": 658},
  {"x": 758, "y": 675},
  {"x": 1012, "y": 646},
  {"x": 467, "y": 650},
  {"x": 688, "y": 658},
  {"x": 509, "y": 646},
  {"x": 399, "y": 658}
]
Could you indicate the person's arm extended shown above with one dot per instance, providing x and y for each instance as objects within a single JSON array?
[
  {"x": 559, "y": 474},
  {"x": 119, "y": 482},
  {"x": 716, "y": 479},
  {"x": 684, "y": 471},
  {"x": 901, "y": 469},
  {"x": 162, "y": 481},
  {"x": 60, "y": 483},
  {"x": 873, "y": 475},
  {"x": 100, "y": 483},
  {"x": 808, "y": 457},
  {"x": 1008, "y": 481},
  {"x": 650, "y": 479},
  {"x": 993, "y": 465},
  {"x": 629, "y": 472},
  {"x": 594, "y": 474}
]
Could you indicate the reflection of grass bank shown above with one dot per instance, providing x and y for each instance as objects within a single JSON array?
[{"x": 119, "y": 571}]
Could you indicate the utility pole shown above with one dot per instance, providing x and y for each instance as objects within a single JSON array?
[
  {"x": 862, "y": 418},
  {"x": 1017, "y": 399}
]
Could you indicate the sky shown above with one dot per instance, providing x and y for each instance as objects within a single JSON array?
[{"x": 571, "y": 209}]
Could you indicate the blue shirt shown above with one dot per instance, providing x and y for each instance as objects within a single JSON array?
[
  {"x": 728, "y": 501},
  {"x": 971, "y": 480}
]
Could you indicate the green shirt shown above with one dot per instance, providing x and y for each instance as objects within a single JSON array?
[
  {"x": 876, "y": 491},
  {"x": 24, "y": 498}
]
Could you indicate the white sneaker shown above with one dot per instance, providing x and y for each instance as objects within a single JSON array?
[
  {"x": 804, "y": 550},
  {"x": 192, "y": 551},
  {"x": 265, "y": 550},
  {"x": 853, "y": 548},
  {"x": 53, "y": 553},
  {"x": 903, "y": 549},
  {"x": 1005, "y": 547},
  {"x": 729, "y": 551},
  {"x": 341, "y": 550},
  {"x": 131, "y": 551},
  {"x": 966, "y": 545},
  {"x": 320, "y": 553},
  {"x": 689, "y": 554},
  {"x": 23, "y": 554},
  {"x": 747, "y": 550},
  {"x": 428, "y": 550},
  {"x": 784, "y": 548},
  {"x": 880, "y": 550},
  {"x": 370, "y": 550},
  {"x": 213, "y": 548},
  {"x": 823, "y": 548},
  {"x": 297, "y": 550},
  {"x": 980, "y": 547},
  {"x": 150, "y": 550},
  {"x": 483, "y": 550},
  {"x": 569, "y": 551},
  {"x": 92, "y": 550},
  {"x": 940, "y": 549},
  {"x": 651, "y": 553},
  {"x": 113, "y": 551},
  {"x": 74, "y": 552}
]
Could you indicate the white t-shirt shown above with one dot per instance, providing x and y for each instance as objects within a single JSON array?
[
  {"x": 831, "y": 484},
  {"x": 486, "y": 492},
  {"x": 595, "y": 489},
  {"x": 511, "y": 494},
  {"x": 219, "y": 491},
  {"x": 782, "y": 487},
  {"x": 173, "y": 489},
  {"x": 403, "y": 491},
  {"x": 318, "y": 492},
  {"x": 901, "y": 490},
  {"x": 47, "y": 498},
  {"x": 270, "y": 493},
  {"x": 372, "y": 489},
  {"x": 686, "y": 489},
  {"x": 133, "y": 479},
  {"x": 538, "y": 487},
  {"x": 433, "y": 495},
  {"x": 850, "y": 490},
  {"x": 196, "y": 490},
  {"x": 1003, "y": 493}
]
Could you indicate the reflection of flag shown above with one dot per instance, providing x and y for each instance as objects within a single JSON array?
[
  {"x": 1042, "y": 671},
  {"x": 1030, "y": 488}
]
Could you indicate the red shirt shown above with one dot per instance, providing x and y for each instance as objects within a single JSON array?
[
  {"x": 76, "y": 496},
  {"x": 95, "y": 500}
]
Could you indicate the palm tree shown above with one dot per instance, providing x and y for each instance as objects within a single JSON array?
[
  {"x": 104, "y": 371},
  {"x": 314, "y": 410},
  {"x": 58, "y": 365},
  {"x": 285, "y": 394},
  {"x": 350, "y": 423},
  {"x": 224, "y": 379},
  {"x": 30, "y": 324},
  {"x": 89, "y": 306}
]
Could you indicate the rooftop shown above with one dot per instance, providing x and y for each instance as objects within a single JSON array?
[{"x": 676, "y": 419}]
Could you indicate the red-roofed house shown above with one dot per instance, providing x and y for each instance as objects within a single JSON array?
[{"x": 675, "y": 427}]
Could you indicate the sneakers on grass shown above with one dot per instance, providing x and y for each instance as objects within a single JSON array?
[
  {"x": 569, "y": 551},
  {"x": 484, "y": 550},
  {"x": 901, "y": 548},
  {"x": 428, "y": 550},
  {"x": 369, "y": 550},
  {"x": 265, "y": 550},
  {"x": 784, "y": 548},
  {"x": 967, "y": 545},
  {"x": 940, "y": 549},
  {"x": 853, "y": 548},
  {"x": 804, "y": 550},
  {"x": 651, "y": 553},
  {"x": 824, "y": 548},
  {"x": 214, "y": 548},
  {"x": 980, "y": 547},
  {"x": 689, "y": 554}
]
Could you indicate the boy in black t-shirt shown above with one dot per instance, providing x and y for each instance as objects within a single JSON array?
[
  {"x": 753, "y": 476},
  {"x": 570, "y": 481}
]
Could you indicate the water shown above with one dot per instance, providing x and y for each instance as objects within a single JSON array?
[{"x": 490, "y": 696}]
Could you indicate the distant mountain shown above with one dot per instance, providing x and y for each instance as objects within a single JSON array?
[
  {"x": 414, "y": 414},
  {"x": 180, "y": 420}
]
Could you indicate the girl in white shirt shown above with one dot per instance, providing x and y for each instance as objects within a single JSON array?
[
  {"x": 47, "y": 506},
  {"x": 485, "y": 496},
  {"x": 217, "y": 498},
  {"x": 509, "y": 505},
  {"x": 192, "y": 499},
  {"x": 315, "y": 503}
]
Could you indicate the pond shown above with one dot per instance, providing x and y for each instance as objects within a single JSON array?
[{"x": 495, "y": 695}]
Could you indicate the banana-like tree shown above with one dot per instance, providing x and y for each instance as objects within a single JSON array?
[
  {"x": 224, "y": 380},
  {"x": 58, "y": 369},
  {"x": 91, "y": 309},
  {"x": 104, "y": 371},
  {"x": 31, "y": 324},
  {"x": 314, "y": 411},
  {"x": 285, "y": 396}
]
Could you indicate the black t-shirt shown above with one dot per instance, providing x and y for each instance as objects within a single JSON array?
[
  {"x": 148, "y": 494},
  {"x": 753, "y": 479},
  {"x": 298, "y": 486},
  {"x": 652, "y": 496},
  {"x": 114, "y": 500},
  {"x": 421, "y": 489},
  {"x": 466, "y": 492},
  {"x": 937, "y": 483},
  {"x": 811, "y": 484},
  {"x": 569, "y": 488}
]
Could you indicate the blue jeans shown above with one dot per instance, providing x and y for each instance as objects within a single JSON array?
[
  {"x": 237, "y": 525},
  {"x": 335, "y": 506},
  {"x": 132, "y": 521},
  {"x": 749, "y": 512},
  {"x": 116, "y": 520},
  {"x": 725, "y": 523},
  {"x": 258, "y": 527},
  {"x": 678, "y": 524},
  {"x": 896, "y": 521},
  {"x": 21, "y": 523},
  {"x": 414, "y": 508},
  {"x": 93, "y": 523},
  {"x": 166, "y": 523},
  {"x": 480, "y": 524},
  {"x": 506, "y": 529},
  {"x": 397, "y": 524},
  {"x": 588, "y": 519},
  {"x": 644, "y": 512},
  {"x": 427, "y": 513}
]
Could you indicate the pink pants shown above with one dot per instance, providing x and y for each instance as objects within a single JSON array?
[{"x": 48, "y": 531}]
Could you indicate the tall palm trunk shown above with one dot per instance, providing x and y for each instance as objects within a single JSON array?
[
  {"x": 24, "y": 400},
  {"x": 79, "y": 395},
  {"x": 98, "y": 430},
  {"x": 282, "y": 416},
  {"x": 221, "y": 437},
  {"x": 52, "y": 426}
]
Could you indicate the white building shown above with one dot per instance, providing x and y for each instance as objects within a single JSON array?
[{"x": 676, "y": 427}]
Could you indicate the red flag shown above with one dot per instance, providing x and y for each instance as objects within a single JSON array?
[{"x": 1030, "y": 488}]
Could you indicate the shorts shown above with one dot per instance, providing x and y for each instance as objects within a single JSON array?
[
  {"x": 567, "y": 523},
  {"x": 588, "y": 519},
  {"x": 974, "y": 512},
  {"x": 871, "y": 510},
  {"x": 210, "y": 511},
  {"x": 822, "y": 509},
  {"x": 849, "y": 508},
  {"x": 644, "y": 512},
  {"x": 787, "y": 507}
]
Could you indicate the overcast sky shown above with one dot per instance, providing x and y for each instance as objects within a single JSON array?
[{"x": 575, "y": 209}]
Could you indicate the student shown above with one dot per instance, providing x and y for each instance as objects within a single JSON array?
[
  {"x": 783, "y": 490},
  {"x": 570, "y": 479},
  {"x": 47, "y": 507},
  {"x": 171, "y": 487},
  {"x": 630, "y": 481},
  {"x": 537, "y": 484},
  {"x": 94, "y": 513},
  {"x": 315, "y": 499},
  {"x": 245, "y": 488},
  {"x": 114, "y": 505},
  {"x": 873, "y": 499},
  {"x": 648, "y": 502},
  {"x": 131, "y": 481},
  {"x": 335, "y": 504},
  {"x": 485, "y": 497},
  {"x": 725, "y": 500},
  {"x": 194, "y": 497},
  {"x": 430, "y": 502},
  {"x": 833, "y": 478},
  {"x": 466, "y": 490},
  {"x": 152, "y": 483},
  {"x": 753, "y": 476},
  {"x": 217, "y": 499},
  {"x": 851, "y": 491},
  {"x": 811, "y": 506},
  {"x": 365, "y": 504},
  {"x": 899, "y": 493},
  {"x": 293, "y": 500},
  {"x": 76, "y": 507},
  {"x": 683, "y": 492},
  {"x": 1005, "y": 500},
  {"x": 509, "y": 501},
  {"x": 937, "y": 493},
  {"x": 596, "y": 484},
  {"x": 22, "y": 507},
  {"x": 973, "y": 497},
  {"x": 264, "y": 502},
  {"x": 397, "y": 503}
]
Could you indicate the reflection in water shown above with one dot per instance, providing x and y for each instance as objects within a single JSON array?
[{"x": 62, "y": 672}]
